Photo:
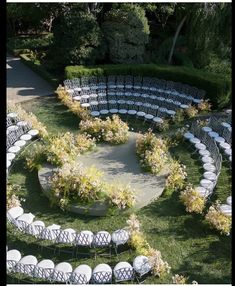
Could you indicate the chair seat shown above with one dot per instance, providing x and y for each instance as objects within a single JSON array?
[
  {"x": 207, "y": 184},
  {"x": 206, "y": 129},
  {"x": 122, "y": 111},
  {"x": 213, "y": 134},
  {"x": 204, "y": 152},
  {"x": 188, "y": 135},
  {"x": 207, "y": 159},
  {"x": 200, "y": 146},
  {"x": 85, "y": 270},
  {"x": 141, "y": 264},
  {"x": 194, "y": 140},
  {"x": 77, "y": 98},
  {"x": 14, "y": 149},
  {"x": 85, "y": 104},
  {"x": 140, "y": 113},
  {"x": 132, "y": 112},
  {"x": 226, "y": 124},
  {"x": 157, "y": 120},
  {"x": 33, "y": 132},
  {"x": 8, "y": 163},
  {"x": 149, "y": 116},
  {"x": 210, "y": 176},
  {"x": 102, "y": 273},
  {"x": 26, "y": 137},
  {"x": 12, "y": 128},
  {"x": 184, "y": 106},
  {"x": 203, "y": 192},
  {"x": 84, "y": 238},
  {"x": 226, "y": 209},
  {"x": 228, "y": 152},
  {"x": 170, "y": 112},
  {"x": 113, "y": 110},
  {"x": 15, "y": 212},
  {"x": 121, "y": 272},
  {"x": 22, "y": 123},
  {"x": 102, "y": 238},
  {"x": 196, "y": 100},
  {"x": 225, "y": 145},
  {"x": 10, "y": 156},
  {"x": 219, "y": 139},
  {"x": 20, "y": 143},
  {"x": 120, "y": 236},
  {"x": 104, "y": 111},
  {"x": 209, "y": 167},
  {"x": 32, "y": 229},
  {"x": 14, "y": 255},
  {"x": 26, "y": 217},
  {"x": 95, "y": 113},
  {"x": 12, "y": 115}
]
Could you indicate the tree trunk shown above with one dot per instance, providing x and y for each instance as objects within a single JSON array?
[{"x": 175, "y": 39}]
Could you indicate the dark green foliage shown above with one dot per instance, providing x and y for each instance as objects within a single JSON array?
[
  {"x": 77, "y": 39},
  {"x": 126, "y": 30},
  {"x": 217, "y": 87}
]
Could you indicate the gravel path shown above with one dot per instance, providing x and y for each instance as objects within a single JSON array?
[
  {"x": 22, "y": 83},
  {"x": 119, "y": 163}
]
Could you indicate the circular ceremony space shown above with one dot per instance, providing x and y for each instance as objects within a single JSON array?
[{"x": 119, "y": 144}]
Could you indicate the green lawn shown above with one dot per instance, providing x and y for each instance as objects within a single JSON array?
[{"x": 186, "y": 242}]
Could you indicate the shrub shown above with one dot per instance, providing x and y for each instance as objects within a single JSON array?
[
  {"x": 12, "y": 199},
  {"x": 218, "y": 220},
  {"x": 35, "y": 156},
  {"x": 126, "y": 30},
  {"x": 72, "y": 183},
  {"x": 179, "y": 279},
  {"x": 204, "y": 106},
  {"x": 152, "y": 152},
  {"x": 121, "y": 196},
  {"x": 75, "y": 107},
  {"x": 164, "y": 126},
  {"x": 112, "y": 130},
  {"x": 177, "y": 176},
  {"x": 217, "y": 87},
  {"x": 133, "y": 224},
  {"x": 191, "y": 112},
  {"x": 192, "y": 200},
  {"x": 84, "y": 143},
  {"x": 159, "y": 267},
  {"x": 179, "y": 116}
]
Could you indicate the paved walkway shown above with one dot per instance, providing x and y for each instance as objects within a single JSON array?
[
  {"x": 120, "y": 163},
  {"x": 22, "y": 83}
]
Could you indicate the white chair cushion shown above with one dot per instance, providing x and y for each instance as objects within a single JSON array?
[{"x": 20, "y": 143}]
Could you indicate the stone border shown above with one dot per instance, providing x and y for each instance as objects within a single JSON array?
[{"x": 99, "y": 208}]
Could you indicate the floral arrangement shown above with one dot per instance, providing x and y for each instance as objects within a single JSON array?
[
  {"x": 73, "y": 183},
  {"x": 176, "y": 178},
  {"x": 191, "y": 111},
  {"x": 12, "y": 199},
  {"x": 61, "y": 149},
  {"x": 112, "y": 130},
  {"x": 121, "y": 196},
  {"x": 138, "y": 242},
  {"x": 159, "y": 266},
  {"x": 218, "y": 220},
  {"x": 35, "y": 156},
  {"x": 179, "y": 116},
  {"x": 192, "y": 200},
  {"x": 152, "y": 151},
  {"x": 204, "y": 105},
  {"x": 29, "y": 117},
  {"x": 179, "y": 279},
  {"x": 74, "y": 106},
  {"x": 163, "y": 126}
]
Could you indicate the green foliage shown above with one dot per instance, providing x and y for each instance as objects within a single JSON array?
[
  {"x": 126, "y": 30},
  {"x": 217, "y": 87},
  {"x": 77, "y": 39},
  {"x": 218, "y": 66}
]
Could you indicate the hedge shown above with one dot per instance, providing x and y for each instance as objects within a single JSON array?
[{"x": 218, "y": 89}]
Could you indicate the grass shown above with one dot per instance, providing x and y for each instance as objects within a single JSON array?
[{"x": 185, "y": 240}]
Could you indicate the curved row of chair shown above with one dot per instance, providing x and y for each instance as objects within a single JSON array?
[
  {"x": 204, "y": 143},
  {"x": 83, "y": 274},
  {"x": 134, "y": 83},
  {"x": 18, "y": 134},
  {"x": 25, "y": 223}
]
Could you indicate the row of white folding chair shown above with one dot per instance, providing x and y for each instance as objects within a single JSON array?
[
  {"x": 210, "y": 157},
  {"x": 142, "y": 83},
  {"x": 25, "y": 223},
  {"x": 82, "y": 274}
]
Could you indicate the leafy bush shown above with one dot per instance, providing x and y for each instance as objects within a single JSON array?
[
  {"x": 121, "y": 196},
  {"x": 192, "y": 200},
  {"x": 179, "y": 279},
  {"x": 217, "y": 87},
  {"x": 158, "y": 265},
  {"x": 204, "y": 106},
  {"x": 12, "y": 199},
  {"x": 191, "y": 111},
  {"x": 126, "y": 30},
  {"x": 112, "y": 130},
  {"x": 35, "y": 156},
  {"x": 152, "y": 152},
  {"x": 177, "y": 176},
  {"x": 218, "y": 220}
]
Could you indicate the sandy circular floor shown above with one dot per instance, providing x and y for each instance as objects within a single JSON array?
[{"x": 119, "y": 163}]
